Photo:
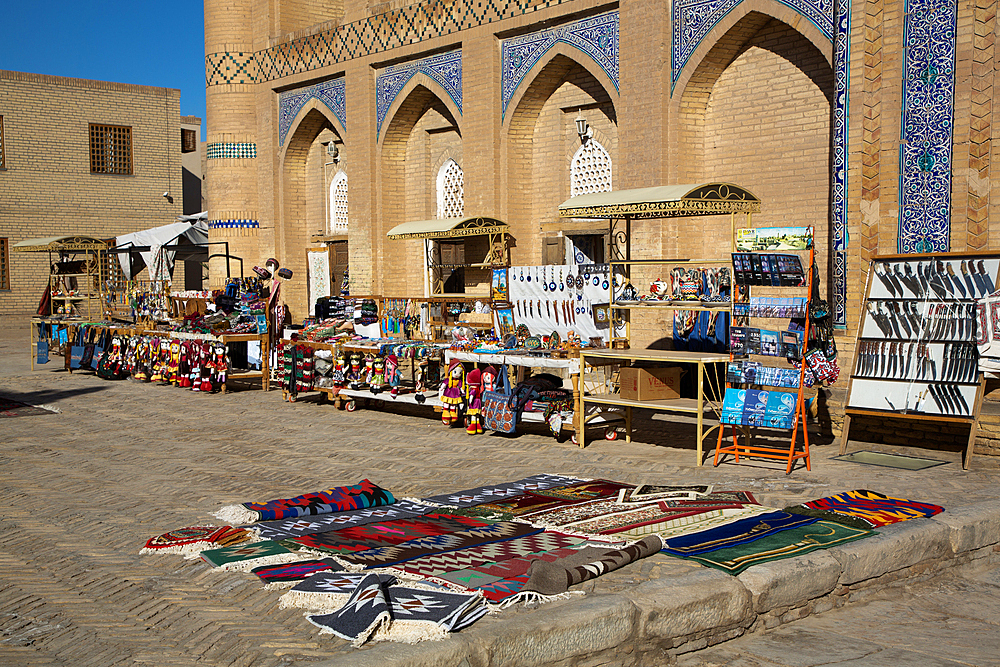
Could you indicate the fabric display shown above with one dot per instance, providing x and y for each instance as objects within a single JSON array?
[
  {"x": 284, "y": 575},
  {"x": 651, "y": 492},
  {"x": 735, "y": 533},
  {"x": 768, "y": 269},
  {"x": 697, "y": 331},
  {"x": 362, "y": 495},
  {"x": 556, "y": 577},
  {"x": 195, "y": 539},
  {"x": 243, "y": 558},
  {"x": 487, "y": 494},
  {"x": 321, "y": 523},
  {"x": 560, "y": 299},
  {"x": 875, "y": 508},
  {"x": 370, "y": 536}
]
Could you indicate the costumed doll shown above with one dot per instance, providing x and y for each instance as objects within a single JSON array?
[
  {"x": 219, "y": 365},
  {"x": 392, "y": 375},
  {"x": 159, "y": 352},
  {"x": 174, "y": 362},
  {"x": 354, "y": 372},
  {"x": 474, "y": 402},
  {"x": 376, "y": 381},
  {"x": 369, "y": 370},
  {"x": 194, "y": 366},
  {"x": 205, "y": 383},
  {"x": 184, "y": 366},
  {"x": 141, "y": 371},
  {"x": 489, "y": 378},
  {"x": 453, "y": 394},
  {"x": 339, "y": 376}
]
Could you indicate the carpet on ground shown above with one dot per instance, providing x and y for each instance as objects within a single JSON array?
[
  {"x": 10, "y": 408},
  {"x": 552, "y": 578},
  {"x": 735, "y": 533},
  {"x": 299, "y": 526},
  {"x": 195, "y": 539},
  {"x": 647, "y": 492},
  {"x": 283, "y": 575},
  {"x": 495, "y": 492},
  {"x": 336, "y": 499},
  {"x": 785, "y": 544},
  {"x": 372, "y": 535},
  {"x": 875, "y": 508},
  {"x": 247, "y": 557}
]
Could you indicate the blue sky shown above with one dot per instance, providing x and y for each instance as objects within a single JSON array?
[{"x": 149, "y": 42}]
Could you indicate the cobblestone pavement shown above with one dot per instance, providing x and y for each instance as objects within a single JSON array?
[
  {"x": 951, "y": 620},
  {"x": 82, "y": 490}
]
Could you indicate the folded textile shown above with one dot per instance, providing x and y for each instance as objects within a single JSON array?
[
  {"x": 464, "y": 539},
  {"x": 336, "y": 499},
  {"x": 827, "y": 515},
  {"x": 288, "y": 574},
  {"x": 327, "y": 590},
  {"x": 245, "y": 558},
  {"x": 692, "y": 523},
  {"x": 386, "y": 612},
  {"x": 195, "y": 539},
  {"x": 298, "y": 526},
  {"x": 785, "y": 544},
  {"x": 492, "y": 493},
  {"x": 875, "y": 508},
  {"x": 647, "y": 492},
  {"x": 370, "y": 536},
  {"x": 531, "y": 502},
  {"x": 732, "y": 534},
  {"x": 553, "y": 578}
]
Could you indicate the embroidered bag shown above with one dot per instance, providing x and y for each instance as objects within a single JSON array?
[
  {"x": 76, "y": 350},
  {"x": 498, "y": 411}
]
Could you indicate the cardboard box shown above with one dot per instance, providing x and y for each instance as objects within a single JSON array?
[{"x": 649, "y": 384}]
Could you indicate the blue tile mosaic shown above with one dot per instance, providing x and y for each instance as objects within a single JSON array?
[
  {"x": 291, "y": 102},
  {"x": 838, "y": 199},
  {"x": 925, "y": 150},
  {"x": 692, "y": 20},
  {"x": 445, "y": 69},
  {"x": 596, "y": 36},
  {"x": 217, "y": 151},
  {"x": 233, "y": 224}
]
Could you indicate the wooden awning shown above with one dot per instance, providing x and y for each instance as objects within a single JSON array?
[
  {"x": 665, "y": 201},
  {"x": 60, "y": 243},
  {"x": 445, "y": 228}
]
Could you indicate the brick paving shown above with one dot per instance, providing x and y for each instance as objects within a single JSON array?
[{"x": 83, "y": 489}]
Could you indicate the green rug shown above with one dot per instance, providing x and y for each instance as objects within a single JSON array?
[
  {"x": 890, "y": 460},
  {"x": 785, "y": 544}
]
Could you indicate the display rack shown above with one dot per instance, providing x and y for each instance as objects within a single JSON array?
[
  {"x": 75, "y": 274},
  {"x": 917, "y": 349},
  {"x": 756, "y": 405}
]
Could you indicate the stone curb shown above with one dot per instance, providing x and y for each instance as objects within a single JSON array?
[{"x": 694, "y": 610}]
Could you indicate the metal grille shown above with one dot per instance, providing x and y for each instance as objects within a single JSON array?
[
  {"x": 110, "y": 149},
  {"x": 590, "y": 170},
  {"x": 451, "y": 191},
  {"x": 4, "y": 264},
  {"x": 338, "y": 203}
]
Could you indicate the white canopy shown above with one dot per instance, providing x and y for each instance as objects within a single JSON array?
[{"x": 194, "y": 228}]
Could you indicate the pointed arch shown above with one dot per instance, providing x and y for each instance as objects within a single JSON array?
[
  {"x": 590, "y": 170},
  {"x": 311, "y": 108},
  {"x": 450, "y": 190},
  {"x": 338, "y": 222},
  {"x": 418, "y": 81}
]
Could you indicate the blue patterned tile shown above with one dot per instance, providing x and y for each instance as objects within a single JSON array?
[
  {"x": 838, "y": 199},
  {"x": 291, "y": 102},
  {"x": 239, "y": 150},
  {"x": 596, "y": 36},
  {"x": 925, "y": 149},
  {"x": 233, "y": 224},
  {"x": 445, "y": 69}
]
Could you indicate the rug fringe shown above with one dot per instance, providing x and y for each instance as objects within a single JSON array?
[
  {"x": 348, "y": 567},
  {"x": 409, "y": 632},
  {"x": 313, "y": 601},
  {"x": 279, "y": 585},
  {"x": 529, "y": 597},
  {"x": 237, "y": 515},
  {"x": 247, "y": 565}
]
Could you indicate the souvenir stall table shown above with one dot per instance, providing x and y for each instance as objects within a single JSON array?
[{"x": 694, "y": 293}]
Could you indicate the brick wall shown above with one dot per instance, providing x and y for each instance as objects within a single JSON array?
[{"x": 47, "y": 188}]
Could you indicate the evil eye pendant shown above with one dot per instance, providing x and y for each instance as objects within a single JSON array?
[
  {"x": 597, "y": 281},
  {"x": 522, "y": 275},
  {"x": 552, "y": 286},
  {"x": 605, "y": 284}
]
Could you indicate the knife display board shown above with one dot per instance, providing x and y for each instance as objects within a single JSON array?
[{"x": 917, "y": 352}]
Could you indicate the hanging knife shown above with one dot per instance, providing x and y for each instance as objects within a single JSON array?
[
  {"x": 957, "y": 394},
  {"x": 883, "y": 358},
  {"x": 897, "y": 314},
  {"x": 894, "y": 276},
  {"x": 916, "y": 319},
  {"x": 968, "y": 280},
  {"x": 922, "y": 275},
  {"x": 943, "y": 277},
  {"x": 955, "y": 279},
  {"x": 878, "y": 319},
  {"x": 988, "y": 283},
  {"x": 880, "y": 272},
  {"x": 936, "y": 281},
  {"x": 910, "y": 280},
  {"x": 953, "y": 320},
  {"x": 891, "y": 318},
  {"x": 937, "y": 399},
  {"x": 893, "y": 350},
  {"x": 933, "y": 364},
  {"x": 920, "y": 397},
  {"x": 909, "y": 359}
]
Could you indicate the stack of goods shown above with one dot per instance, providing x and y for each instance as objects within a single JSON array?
[
  {"x": 429, "y": 567},
  {"x": 766, "y": 306},
  {"x": 296, "y": 368},
  {"x": 759, "y": 407},
  {"x": 768, "y": 269}
]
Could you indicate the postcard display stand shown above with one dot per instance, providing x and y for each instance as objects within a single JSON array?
[
  {"x": 760, "y": 396},
  {"x": 917, "y": 354}
]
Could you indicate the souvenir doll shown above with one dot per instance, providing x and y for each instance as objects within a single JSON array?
[
  {"x": 367, "y": 372},
  {"x": 174, "y": 362},
  {"x": 141, "y": 371},
  {"x": 474, "y": 402},
  {"x": 489, "y": 378},
  {"x": 392, "y": 374},
  {"x": 194, "y": 366},
  {"x": 353, "y": 375},
  {"x": 159, "y": 353},
  {"x": 206, "y": 367},
  {"x": 219, "y": 365},
  {"x": 377, "y": 377},
  {"x": 183, "y": 379},
  {"x": 339, "y": 377},
  {"x": 453, "y": 393}
]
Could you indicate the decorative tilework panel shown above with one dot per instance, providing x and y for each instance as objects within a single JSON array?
[
  {"x": 233, "y": 224},
  {"x": 838, "y": 199},
  {"x": 230, "y": 150},
  {"x": 596, "y": 36},
  {"x": 929, "y": 33},
  {"x": 290, "y": 103},
  {"x": 692, "y": 20},
  {"x": 375, "y": 34},
  {"x": 445, "y": 69}
]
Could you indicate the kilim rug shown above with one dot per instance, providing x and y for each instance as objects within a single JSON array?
[
  {"x": 285, "y": 528},
  {"x": 336, "y": 499},
  {"x": 195, "y": 539},
  {"x": 635, "y": 518},
  {"x": 246, "y": 558},
  {"x": 875, "y": 508},
  {"x": 786, "y": 544},
  {"x": 327, "y": 590},
  {"x": 488, "y": 573},
  {"x": 400, "y": 613},
  {"x": 692, "y": 523},
  {"x": 473, "y": 537},
  {"x": 9, "y": 408},
  {"x": 735, "y": 533},
  {"x": 495, "y": 492},
  {"x": 647, "y": 492},
  {"x": 372, "y": 535},
  {"x": 553, "y": 578},
  {"x": 826, "y": 515},
  {"x": 547, "y": 499},
  {"x": 284, "y": 575}
]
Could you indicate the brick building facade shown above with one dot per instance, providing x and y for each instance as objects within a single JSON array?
[
  {"x": 55, "y": 180},
  {"x": 871, "y": 120}
]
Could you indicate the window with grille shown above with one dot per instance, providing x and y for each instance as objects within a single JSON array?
[
  {"x": 4, "y": 264},
  {"x": 3, "y": 147},
  {"x": 189, "y": 141},
  {"x": 590, "y": 170},
  {"x": 338, "y": 204},
  {"x": 450, "y": 191},
  {"x": 110, "y": 149}
]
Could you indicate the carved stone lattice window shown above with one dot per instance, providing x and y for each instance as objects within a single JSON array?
[
  {"x": 590, "y": 170},
  {"x": 450, "y": 191},
  {"x": 338, "y": 204}
]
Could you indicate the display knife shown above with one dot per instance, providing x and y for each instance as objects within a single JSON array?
[
  {"x": 988, "y": 284},
  {"x": 892, "y": 318},
  {"x": 879, "y": 319},
  {"x": 968, "y": 279},
  {"x": 897, "y": 314},
  {"x": 909, "y": 358},
  {"x": 947, "y": 407},
  {"x": 943, "y": 277},
  {"x": 910, "y": 280},
  {"x": 937, "y": 399},
  {"x": 957, "y": 394},
  {"x": 894, "y": 276},
  {"x": 922, "y": 278},
  {"x": 955, "y": 279},
  {"x": 884, "y": 277}
]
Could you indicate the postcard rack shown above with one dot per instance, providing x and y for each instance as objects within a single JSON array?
[
  {"x": 917, "y": 349},
  {"x": 762, "y": 401}
]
